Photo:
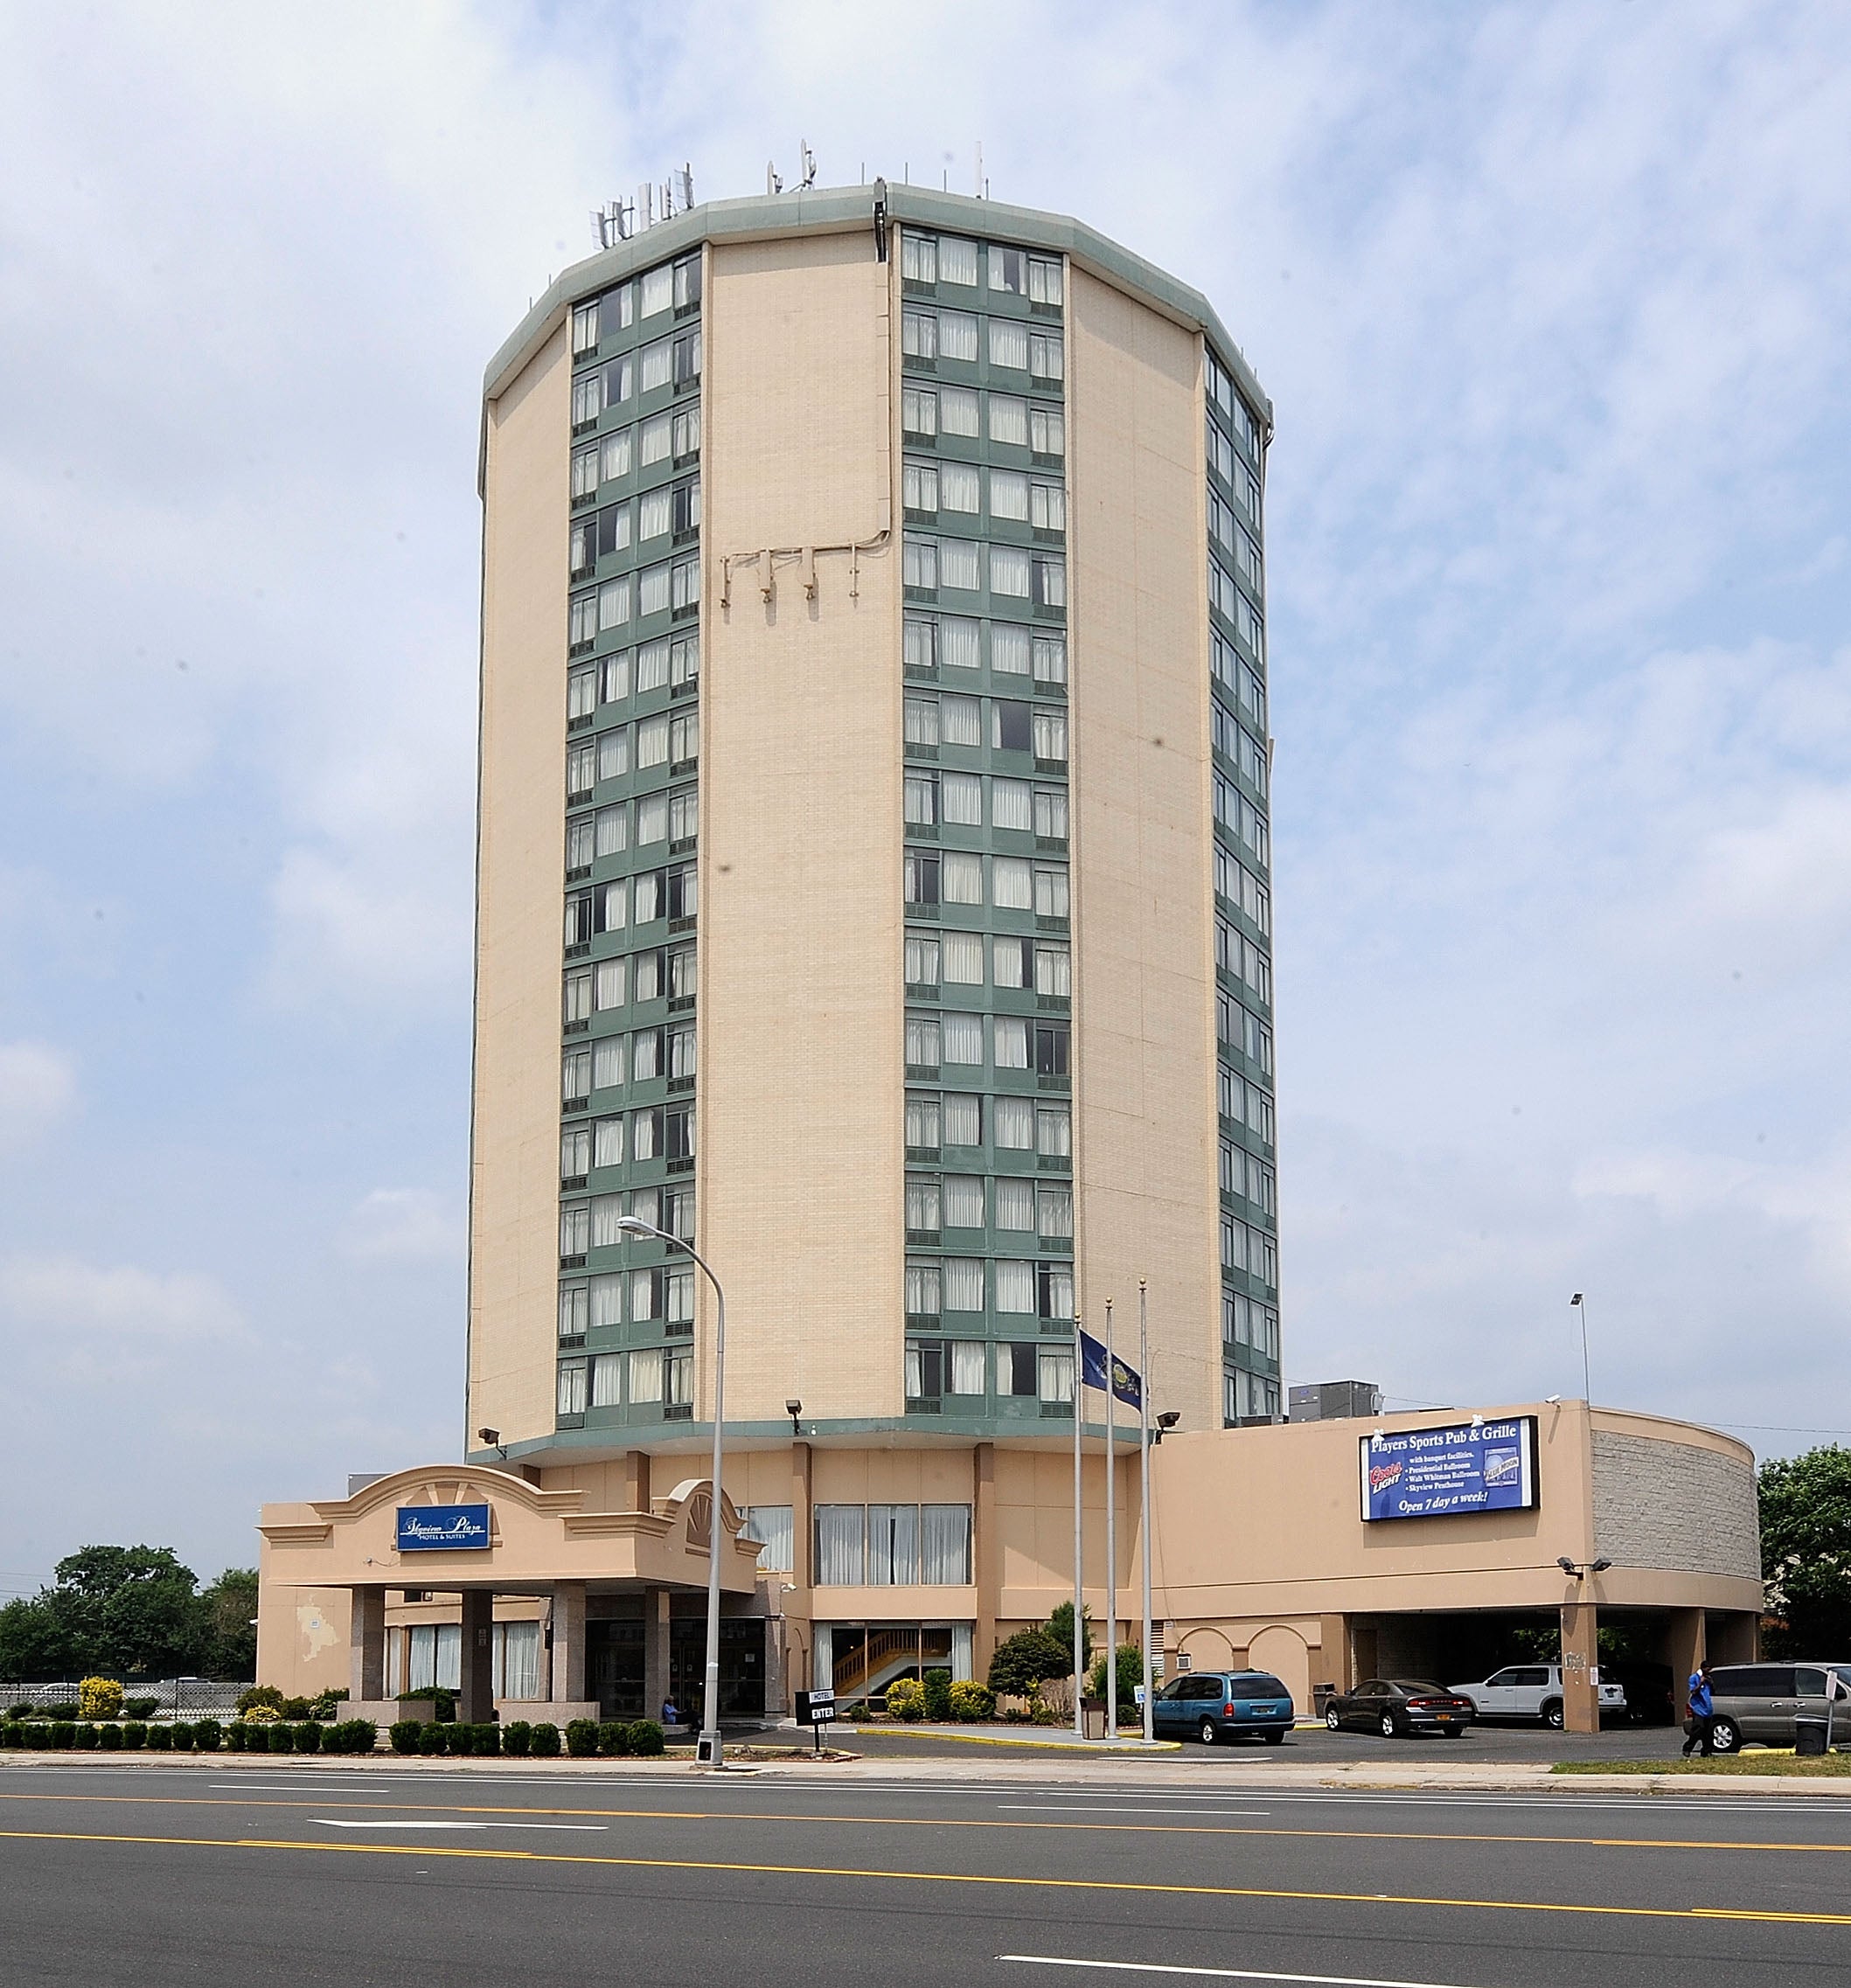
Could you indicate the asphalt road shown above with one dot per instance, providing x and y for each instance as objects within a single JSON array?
[{"x": 309, "y": 1873}]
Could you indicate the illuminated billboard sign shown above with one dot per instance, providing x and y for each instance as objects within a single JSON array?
[{"x": 1426, "y": 1473}]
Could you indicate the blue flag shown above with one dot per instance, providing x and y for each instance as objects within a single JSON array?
[{"x": 1126, "y": 1381}]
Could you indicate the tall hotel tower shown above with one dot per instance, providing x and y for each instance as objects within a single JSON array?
[{"x": 873, "y": 889}]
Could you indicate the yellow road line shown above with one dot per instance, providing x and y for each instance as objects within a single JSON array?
[
  {"x": 380, "y": 1805},
  {"x": 1698, "y": 1912}
]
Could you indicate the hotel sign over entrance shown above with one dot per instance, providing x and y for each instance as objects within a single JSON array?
[{"x": 443, "y": 1528}]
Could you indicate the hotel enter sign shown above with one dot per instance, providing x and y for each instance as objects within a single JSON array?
[{"x": 443, "y": 1528}]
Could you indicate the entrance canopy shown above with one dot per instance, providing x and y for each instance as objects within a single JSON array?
[{"x": 446, "y": 1526}]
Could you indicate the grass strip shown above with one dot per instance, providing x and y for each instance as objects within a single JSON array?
[{"x": 1761, "y": 1761}]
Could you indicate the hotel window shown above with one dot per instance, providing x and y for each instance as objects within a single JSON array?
[
  {"x": 1053, "y": 972},
  {"x": 574, "y": 1310},
  {"x": 919, "y": 564},
  {"x": 921, "y": 799},
  {"x": 573, "y": 1377},
  {"x": 1054, "y": 1131},
  {"x": 656, "y": 440},
  {"x": 617, "y": 454},
  {"x": 614, "y": 752},
  {"x": 1008, "y": 270},
  {"x": 961, "y": 720},
  {"x": 944, "y": 1545},
  {"x": 1010, "y": 728},
  {"x": 1046, "y": 284},
  {"x": 1054, "y": 1291},
  {"x": 659, "y": 291},
  {"x": 611, "y": 904},
  {"x": 923, "y": 1217},
  {"x": 607, "y": 1386},
  {"x": 1015, "y": 1368},
  {"x": 646, "y": 1376},
  {"x": 582, "y": 554},
  {"x": 614, "y": 674},
  {"x": 1050, "y": 813},
  {"x": 892, "y": 1546},
  {"x": 652, "y": 515},
  {"x": 684, "y": 740},
  {"x": 921, "y": 1042},
  {"x": 772, "y": 1525},
  {"x": 1049, "y": 588},
  {"x": 1015, "y": 1287},
  {"x": 678, "y": 1132},
  {"x": 918, "y": 258},
  {"x": 1012, "y": 1123},
  {"x": 685, "y": 436},
  {"x": 962, "y": 1200},
  {"x": 684, "y": 585},
  {"x": 684, "y": 661},
  {"x": 607, "y": 1064},
  {"x": 607, "y": 977},
  {"x": 962, "y": 1117},
  {"x": 1010, "y": 649},
  {"x": 1012, "y": 880},
  {"x": 579, "y": 925},
  {"x": 921, "y": 720},
  {"x": 958, "y": 565},
  {"x": 959, "y": 487},
  {"x": 652, "y": 819},
  {"x": 1009, "y": 344},
  {"x": 614, "y": 599},
  {"x": 961, "y": 799},
  {"x": 1048, "y": 512},
  {"x": 963, "y": 1283},
  {"x": 1050, "y": 737},
  {"x": 588, "y": 399},
  {"x": 962, "y": 1038},
  {"x": 605, "y": 1210},
  {"x": 1054, "y": 1372},
  {"x": 1054, "y": 1212},
  {"x": 1052, "y": 1043},
  {"x": 958, "y": 411},
  {"x": 681, "y": 1052},
  {"x": 1014, "y": 961},
  {"x": 580, "y": 840},
  {"x": 921, "y": 960},
  {"x": 922, "y": 1122},
  {"x": 957, "y": 261},
  {"x": 608, "y": 1143},
  {"x": 582, "y": 695},
  {"x": 919, "y": 410},
  {"x": 1015, "y": 1204},
  {"x": 919, "y": 487},
  {"x": 1009, "y": 420},
  {"x": 1046, "y": 356},
  {"x": 684, "y": 815},
  {"x": 687, "y": 282},
  {"x": 961, "y": 959},
  {"x": 962, "y": 877},
  {"x": 957, "y": 336},
  {"x": 576, "y": 998},
  {"x": 574, "y": 1154},
  {"x": 678, "y": 1303},
  {"x": 969, "y": 1359},
  {"x": 923, "y": 1291},
  {"x": 919, "y": 334},
  {"x": 584, "y": 472},
  {"x": 921, "y": 877},
  {"x": 1051, "y": 896},
  {"x": 582, "y": 622},
  {"x": 619, "y": 381},
  {"x": 1009, "y": 496},
  {"x": 1047, "y": 431},
  {"x": 840, "y": 1535},
  {"x": 1009, "y": 572},
  {"x": 1050, "y": 659},
  {"x": 921, "y": 645}
]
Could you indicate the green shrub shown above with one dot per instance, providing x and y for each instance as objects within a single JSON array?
[
  {"x": 18, "y": 1709},
  {"x": 61, "y": 1713},
  {"x": 515, "y": 1736},
  {"x": 307, "y": 1737},
  {"x": 646, "y": 1738},
  {"x": 461, "y": 1736},
  {"x": 277, "y": 1737},
  {"x": 134, "y": 1735},
  {"x": 613, "y": 1736},
  {"x": 160, "y": 1738},
  {"x": 938, "y": 1694},
  {"x": 326, "y": 1706},
  {"x": 63, "y": 1733},
  {"x": 971, "y": 1701},
  {"x": 1025, "y": 1658},
  {"x": 183, "y": 1737},
  {"x": 544, "y": 1743},
  {"x": 441, "y": 1702},
  {"x": 906, "y": 1699},
  {"x": 294, "y": 1709},
  {"x": 237, "y": 1737},
  {"x": 365, "y": 1734},
  {"x": 360, "y": 1737},
  {"x": 486, "y": 1737},
  {"x": 581, "y": 1737},
  {"x": 37, "y": 1733},
  {"x": 1130, "y": 1669},
  {"x": 433, "y": 1738},
  {"x": 140, "y": 1708},
  {"x": 85, "y": 1739},
  {"x": 266, "y": 1695},
  {"x": 109, "y": 1738},
  {"x": 207, "y": 1732},
  {"x": 403, "y": 1734}
]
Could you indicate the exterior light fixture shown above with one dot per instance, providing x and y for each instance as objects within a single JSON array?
[{"x": 794, "y": 1408}]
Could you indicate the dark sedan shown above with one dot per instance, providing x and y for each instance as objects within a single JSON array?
[{"x": 1392, "y": 1706}]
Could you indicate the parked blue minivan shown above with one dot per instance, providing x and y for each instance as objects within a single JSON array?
[{"x": 1224, "y": 1705}]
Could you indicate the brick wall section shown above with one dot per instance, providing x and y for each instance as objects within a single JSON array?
[{"x": 1673, "y": 1505}]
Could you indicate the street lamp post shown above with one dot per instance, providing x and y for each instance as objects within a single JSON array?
[
  {"x": 1580, "y": 1304},
  {"x": 709, "y": 1747}
]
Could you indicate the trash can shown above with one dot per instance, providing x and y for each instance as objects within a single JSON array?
[
  {"x": 1321, "y": 1696},
  {"x": 1092, "y": 1710},
  {"x": 1809, "y": 1735}
]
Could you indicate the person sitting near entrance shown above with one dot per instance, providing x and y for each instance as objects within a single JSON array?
[{"x": 671, "y": 1717}]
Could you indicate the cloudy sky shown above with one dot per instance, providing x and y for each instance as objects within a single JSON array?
[{"x": 1554, "y": 306}]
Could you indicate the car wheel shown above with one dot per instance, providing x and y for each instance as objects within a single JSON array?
[
  {"x": 1333, "y": 1720},
  {"x": 1206, "y": 1735},
  {"x": 1552, "y": 1715},
  {"x": 1388, "y": 1728},
  {"x": 1725, "y": 1736},
  {"x": 1276, "y": 1739}
]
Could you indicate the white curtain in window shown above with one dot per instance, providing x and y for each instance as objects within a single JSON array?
[
  {"x": 840, "y": 1561},
  {"x": 963, "y": 1037},
  {"x": 772, "y": 1525},
  {"x": 1009, "y": 343},
  {"x": 1054, "y": 1131},
  {"x": 613, "y": 831},
  {"x": 516, "y": 1660},
  {"x": 967, "y": 1367},
  {"x": 1014, "y": 1287},
  {"x": 608, "y": 1144},
  {"x": 962, "y": 877},
  {"x": 607, "y": 1381},
  {"x": 1009, "y": 1034},
  {"x": 1009, "y": 970},
  {"x": 607, "y": 1301},
  {"x": 921, "y": 1205},
  {"x": 963, "y": 1283},
  {"x": 652, "y": 818},
  {"x": 449, "y": 1656},
  {"x": 1057, "y": 1377},
  {"x": 1050, "y": 735},
  {"x": 957, "y": 336},
  {"x": 959, "y": 644},
  {"x": 613, "y": 603},
  {"x": 962, "y": 954},
  {"x": 956, "y": 260},
  {"x": 961, "y": 798},
  {"x": 571, "y": 1387},
  {"x": 922, "y": 1121},
  {"x": 1011, "y": 876},
  {"x": 964, "y": 1119},
  {"x": 958, "y": 411},
  {"x": 1056, "y": 1212},
  {"x": 652, "y": 517},
  {"x": 964, "y": 1203},
  {"x": 1010, "y": 649},
  {"x": 619, "y": 453},
  {"x": 605, "y": 1211},
  {"x": 395, "y": 1661},
  {"x": 646, "y": 1376},
  {"x": 607, "y": 1063},
  {"x": 961, "y": 1660},
  {"x": 1009, "y": 570},
  {"x": 658, "y": 364},
  {"x": 1009, "y": 418},
  {"x": 1050, "y": 891},
  {"x": 958, "y": 566},
  {"x": 959, "y": 489},
  {"x": 1008, "y": 496},
  {"x": 614, "y": 752},
  {"x": 1015, "y": 1204},
  {"x": 893, "y": 1544},
  {"x": 921, "y": 1290},
  {"x": 1012, "y": 806},
  {"x": 1014, "y": 1121},
  {"x": 945, "y": 1546},
  {"x": 960, "y": 718},
  {"x": 1053, "y": 970},
  {"x": 921, "y": 1042},
  {"x": 421, "y": 1669}
]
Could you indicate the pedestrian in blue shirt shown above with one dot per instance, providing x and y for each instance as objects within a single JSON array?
[{"x": 1699, "y": 1727}]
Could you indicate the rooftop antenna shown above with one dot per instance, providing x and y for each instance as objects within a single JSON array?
[
  {"x": 807, "y": 160},
  {"x": 979, "y": 169},
  {"x": 683, "y": 181},
  {"x": 773, "y": 183},
  {"x": 646, "y": 204}
]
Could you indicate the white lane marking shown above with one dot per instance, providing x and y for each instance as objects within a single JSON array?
[
  {"x": 1222, "y": 1973},
  {"x": 335, "y": 1822},
  {"x": 1110, "y": 1809}
]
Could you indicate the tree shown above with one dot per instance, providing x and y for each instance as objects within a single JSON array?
[
  {"x": 227, "y": 1640},
  {"x": 1806, "y": 1550},
  {"x": 1061, "y": 1627},
  {"x": 1129, "y": 1668},
  {"x": 1027, "y": 1658}
]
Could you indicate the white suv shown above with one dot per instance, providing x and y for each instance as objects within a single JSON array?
[{"x": 1533, "y": 1690}]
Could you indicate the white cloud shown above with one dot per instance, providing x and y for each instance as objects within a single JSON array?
[
  {"x": 402, "y": 1225},
  {"x": 38, "y": 1086},
  {"x": 117, "y": 1311}
]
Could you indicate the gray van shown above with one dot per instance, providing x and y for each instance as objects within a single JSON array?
[{"x": 1761, "y": 1702}]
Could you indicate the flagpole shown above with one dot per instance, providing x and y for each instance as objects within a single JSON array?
[
  {"x": 1111, "y": 1538},
  {"x": 1144, "y": 1494},
  {"x": 1079, "y": 1542}
]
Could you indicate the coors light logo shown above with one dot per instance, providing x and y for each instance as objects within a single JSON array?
[{"x": 1382, "y": 1475}]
